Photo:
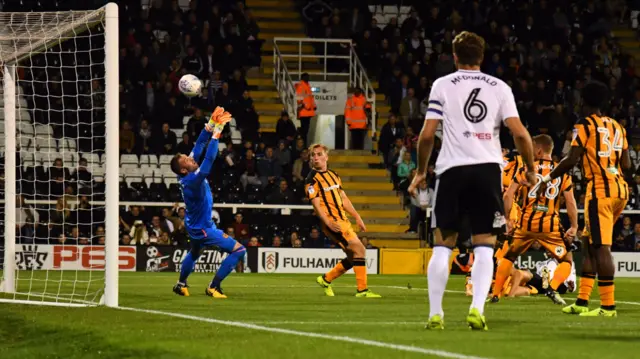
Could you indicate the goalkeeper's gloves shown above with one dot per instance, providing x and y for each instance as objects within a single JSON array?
[{"x": 219, "y": 119}]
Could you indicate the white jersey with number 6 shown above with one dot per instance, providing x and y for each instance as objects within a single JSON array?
[{"x": 472, "y": 106}]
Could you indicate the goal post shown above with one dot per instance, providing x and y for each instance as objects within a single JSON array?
[{"x": 60, "y": 99}]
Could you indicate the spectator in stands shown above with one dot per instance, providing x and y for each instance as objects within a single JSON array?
[
  {"x": 269, "y": 170},
  {"x": 240, "y": 228},
  {"x": 82, "y": 177},
  {"x": 285, "y": 129},
  {"x": 129, "y": 218},
  {"x": 185, "y": 146},
  {"x": 315, "y": 239},
  {"x": 293, "y": 237},
  {"x": 419, "y": 205},
  {"x": 60, "y": 214},
  {"x": 237, "y": 84},
  {"x": 253, "y": 242},
  {"x": 394, "y": 158},
  {"x": 144, "y": 140},
  {"x": 298, "y": 148},
  {"x": 196, "y": 124},
  {"x": 171, "y": 221},
  {"x": 125, "y": 240},
  {"x": 247, "y": 117},
  {"x": 215, "y": 85},
  {"x": 98, "y": 236},
  {"x": 405, "y": 167},
  {"x": 127, "y": 139},
  {"x": 166, "y": 141},
  {"x": 389, "y": 132},
  {"x": 158, "y": 227},
  {"x": 282, "y": 194},
  {"x": 231, "y": 232},
  {"x": 248, "y": 169},
  {"x": 27, "y": 221},
  {"x": 283, "y": 155},
  {"x": 58, "y": 174},
  {"x": 633, "y": 240},
  {"x": 301, "y": 168},
  {"x": 627, "y": 227},
  {"x": 410, "y": 110},
  {"x": 297, "y": 243},
  {"x": 74, "y": 235},
  {"x": 224, "y": 97},
  {"x": 276, "y": 241},
  {"x": 366, "y": 243},
  {"x": 193, "y": 62}
]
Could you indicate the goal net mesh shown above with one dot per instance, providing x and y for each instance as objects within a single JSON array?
[{"x": 60, "y": 151}]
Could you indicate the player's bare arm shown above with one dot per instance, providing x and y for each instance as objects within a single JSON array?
[
  {"x": 335, "y": 227},
  {"x": 348, "y": 206},
  {"x": 425, "y": 147},
  {"x": 524, "y": 145},
  {"x": 508, "y": 198},
  {"x": 572, "y": 211}
]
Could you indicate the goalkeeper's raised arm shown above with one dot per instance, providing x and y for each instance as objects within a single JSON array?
[{"x": 183, "y": 165}]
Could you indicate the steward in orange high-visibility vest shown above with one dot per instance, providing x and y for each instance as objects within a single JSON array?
[
  {"x": 355, "y": 111},
  {"x": 306, "y": 104},
  {"x": 355, "y": 115}
]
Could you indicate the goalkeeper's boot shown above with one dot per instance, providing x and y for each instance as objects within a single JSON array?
[
  {"x": 181, "y": 289},
  {"x": 555, "y": 297},
  {"x": 599, "y": 312},
  {"x": 215, "y": 293},
  {"x": 328, "y": 291},
  {"x": 367, "y": 294},
  {"x": 476, "y": 321},
  {"x": 435, "y": 322},
  {"x": 575, "y": 309},
  {"x": 494, "y": 299}
]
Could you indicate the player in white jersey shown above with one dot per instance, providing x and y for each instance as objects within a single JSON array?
[{"x": 471, "y": 106}]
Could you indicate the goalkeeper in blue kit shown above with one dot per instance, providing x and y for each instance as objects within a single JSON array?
[{"x": 199, "y": 202}]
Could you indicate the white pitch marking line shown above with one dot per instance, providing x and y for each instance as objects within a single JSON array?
[
  {"x": 366, "y": 342},
  {"x": 335, "y": 323}
]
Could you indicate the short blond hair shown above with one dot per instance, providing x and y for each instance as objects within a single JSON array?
[
  {"x": 319, "y": 145},
  {"x": 544, "y": 141}
]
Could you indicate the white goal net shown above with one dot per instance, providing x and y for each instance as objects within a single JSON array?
[{"x": 59, "y": 144}]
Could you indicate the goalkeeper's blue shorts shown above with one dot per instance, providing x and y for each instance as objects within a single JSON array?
[{"x": 201, "y": 238}]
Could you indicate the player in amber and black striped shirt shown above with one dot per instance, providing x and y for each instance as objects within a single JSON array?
[
  {"x": 324, "y": 190},
  {"x": 540, "y": 220},
  {"x": 601, "y": 143}
]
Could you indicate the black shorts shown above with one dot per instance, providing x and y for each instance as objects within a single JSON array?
[
  {"x": 473, "y": 192},
  {"x": 536, "y": 282}
]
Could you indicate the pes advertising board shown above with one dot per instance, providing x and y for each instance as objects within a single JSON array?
[
  {"x": 70, "y": 257},
  {"x": 307, "y": 260}
]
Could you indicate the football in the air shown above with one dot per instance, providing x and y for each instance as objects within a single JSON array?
[{"x": 190, "y": 85}]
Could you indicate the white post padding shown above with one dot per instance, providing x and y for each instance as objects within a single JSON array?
[
  {"x": 112, "y": 151},
  {"x": 9, "y": 272}
]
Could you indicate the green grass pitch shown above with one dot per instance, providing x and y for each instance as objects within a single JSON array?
[{"x": 519, "y": 328}]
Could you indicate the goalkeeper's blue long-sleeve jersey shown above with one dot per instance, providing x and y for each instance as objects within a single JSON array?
[{"x": 195, "y": 187}]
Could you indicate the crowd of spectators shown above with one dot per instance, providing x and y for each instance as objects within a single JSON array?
[{"x": 546, "y": 51}]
